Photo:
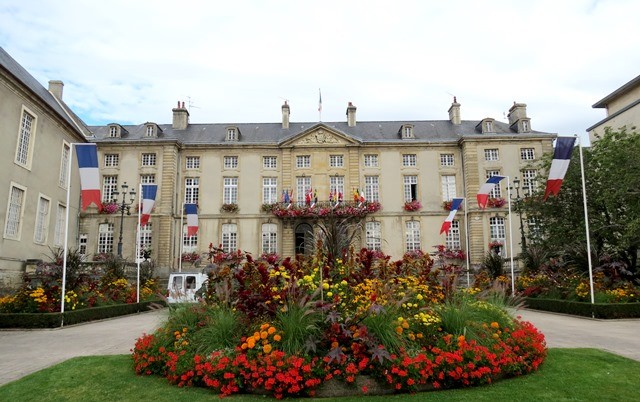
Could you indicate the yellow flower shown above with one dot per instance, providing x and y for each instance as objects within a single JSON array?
[{"x": 325, "y": 286}]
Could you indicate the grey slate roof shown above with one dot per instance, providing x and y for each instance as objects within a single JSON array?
[
  {"x": 425, "y": 131},
  {"x": 58, "y": 107}
]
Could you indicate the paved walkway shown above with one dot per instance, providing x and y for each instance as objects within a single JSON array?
[{"x": 25, "y": 352}]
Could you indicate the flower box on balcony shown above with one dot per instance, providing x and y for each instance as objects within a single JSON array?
[
  {"x": 412, "y": 206},
  {"x": 496, "y": 202},
  {"x": 229, "y": 208}
]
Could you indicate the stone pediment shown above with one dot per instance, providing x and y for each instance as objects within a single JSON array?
[{"x": 319, "y": 136}]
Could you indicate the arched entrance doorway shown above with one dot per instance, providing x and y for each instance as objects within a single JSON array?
[{"x": 304, "y": 239}]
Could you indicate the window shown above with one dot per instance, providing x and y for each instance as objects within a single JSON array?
[
  {"x": 497, "y": 230},
  {"x": 111, "y": 160},
  {"x": 189, "y": 243},
  {"x": 303, "y": 161},
  {"x": 145, "y": 240},
  {"x": 491, "y": 154},
  {"x": 149, "y": 159},
  {"x": 488, "y": 126},
  {"x": 232, "y": 134},
  {"x": 193, "y": 162},
  {"x": 14, "y": 213},
  {"x": 105, "y": 238},
  {"x": 229, "y": 237},
  {"x": 336, "y": 186},
  {"x": 452, "y": 242},
  {"x": 42, "y": 221},
  {"x": 529, "y": 181},
  {"x": 303, "y": 185},
  {"x": 25, "y": 139},
  {"x": 409, "y": 160},
  {"x": 113, "y": 131},
  {"x": 525, "y": 126},
  {"x": 269, "y": 162},
  {"x": 448, "y": 187},
  {"x": 373, "y": 235},
  {"x": 147, "y": 178},
  {"x": 149, "y": 131},
  {"x": 533, "y": 228},
  {"x": 407, "y": 131},
  {"x": 410, "y": 188},
  {"x": 446, "y": 160},
  {"x": 527, "y": 154},
  {"x": 230, "y": 162},
  {"x": 336, "y": 161},
  {"x": 496, "y": 192},
  {"x": 371, "y": 188},
  {"x": 83, "y": 241},
  {"x": 413, "y": 235},
  {"x": 269, "y": 190},
  {"x": 58, "y": 236},
  {"x": 371, "y": 160},
  {"x": 64, "y": 165},
  {"x": 230, "y": 191},
  {"x": 191, "y": 190},
  {"x": 269, "y": 238},
  {"x": 109, "y": 186}
]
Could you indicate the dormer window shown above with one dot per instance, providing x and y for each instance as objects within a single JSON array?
[
  {"x": 114, "y": 131},
  {"x": 232, "y": 134},
  {"x": 525, "y": 126},
  {"x": 406, "y": 131},
  {"x": 486, "y": 126}
]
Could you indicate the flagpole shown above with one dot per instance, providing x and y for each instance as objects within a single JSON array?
[
  {"x": 513, "y": 278},
  {"x": 586, "y": 221},
  {"x": 138, "y": 239},
  {"x": 319, "y": 105},
  {"x": 181, "y": 238},
  {"x": 66, "y": 236},
  {"x": 466, "y": 240}
]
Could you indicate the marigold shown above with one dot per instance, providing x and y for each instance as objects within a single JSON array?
[
  {"x": 266, "y": 348},
  {"x": 251, "y": 343},
  {"x": 271, "y": 330},
  {"x": 277, "y": 338},
  {"x": 264, "y": 335},
  {"x": 495, "y": 325}
]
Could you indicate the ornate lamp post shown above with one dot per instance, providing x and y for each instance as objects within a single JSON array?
[
  {"x": 122, "y": 207},
  {"x": 518, "y": 200}
]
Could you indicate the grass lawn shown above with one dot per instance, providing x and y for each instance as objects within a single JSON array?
[{"x": 567, "y": 375}]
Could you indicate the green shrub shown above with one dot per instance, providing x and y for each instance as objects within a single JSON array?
[
  {"x": 222, "y": 331},
  {"x": 301, "y": 327},
  {"x": 382, "y": 326}
]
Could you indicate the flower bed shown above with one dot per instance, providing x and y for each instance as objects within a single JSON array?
[
  {"x": 325, "y": 209},
  {"x": 293, "y": 327}
]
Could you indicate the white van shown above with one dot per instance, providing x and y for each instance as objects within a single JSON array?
[{"x": 184, "y": 285}]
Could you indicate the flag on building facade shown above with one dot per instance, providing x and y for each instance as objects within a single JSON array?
[
  {"x": 191, "y": 210},
  {"x": 89, "y": 174},
  {"x": 149, "y": 192},
  {"x": 485, "y": 189},
  {"x": 319, "y": 101},
  {"x": 456, "y": 203},
  {"x": 559, "y": 165}
]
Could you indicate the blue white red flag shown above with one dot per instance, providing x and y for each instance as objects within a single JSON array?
[
  {"x": 149, "y": 192},
  {"x": 456, "y": 203},
  {"x": 89, "y": 174},
  {"x": 485, "y": 189},
  {"x": 191, "y": 210},
  {"x": 559, "y": 165}
]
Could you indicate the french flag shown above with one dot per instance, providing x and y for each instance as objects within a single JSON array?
[
  {"x": 485, "y": 189},
  {"x": 149, "y": 192},
  {"x": 89, "y": 174},
  {"x": 192, "y": 219},
  {"x": 559, "y": 165},
  {"x": 455, "y": 206}
]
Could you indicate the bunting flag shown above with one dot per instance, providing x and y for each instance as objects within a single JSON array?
[
  {"x": 315, "y": 198},
  {"x": 149, "y": 192},
  {"x": 485, "y": 189},
  {"x": 89, "y": 175},
  {"x": 456, "y": 203},
  {"x": 290, "y": 202},
  {"x": 559, "y": 165},
  {"x": 192, "y": 219},
  {"x": 362, "y": 199}
]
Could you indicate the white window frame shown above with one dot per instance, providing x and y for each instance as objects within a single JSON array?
[
  {"x": 58, "y": 235},
  {"x": 191, "y": 190},
  {"x": 448, "y": 185},
  {"x": 527, "y": 154},
  {"x": 269, "y": 244},
  {"x": 189, "y": 243},
  {"x": 496, "y": 192},
  {"x": 192, "y": 162},
  {"x": 64, "y": 164},
  {"x": 15, "y": 211},
  {"x": 303, "y": 161},
  {"x": 269, "y": 190},
  {"x": 529, "y": 181},
  {"x": 26, "y": 138},
  {"x": 230, "y": 190},
  {"x": 149, "y": 159},
  {"x": 150, "y": 130},
  {"x": 336, "y": 161},
  {"x": 105, "y": 238},
  {"x": 232, "y": 134},
  {"x": 491, "y": 154},
  {"x": 41, "y": 229},
  {"x": 109, "y": 186},
  {"x": 229, "y": 237},
  {"x": 231, "y": 162},
  {"x": 409, "y": 160},
  {"x": 371, "y": 160},
  {"x": 408, "y": 182},
  {"x": 148, "y": 178},
  {"x": 447, "y": 160},
  {"x": 407, "y": 131},
  {"x": 303, "y": 185},
  {"x": 336, "y": 185},
  {"x": 412, "y": 235},
  {"x": 113, "y": 131},
  {"x": 269, "y": 162},
  {"x": 498, "y": 231},
  {"x": 83, "y": 243},
  {"x": 146, "y": 238},
  {"x": 452, "y": 241},
  {"x": 111, "y": 160},
  {"x": 373, "y": 235},
  {"x": 372, "y": 188}
]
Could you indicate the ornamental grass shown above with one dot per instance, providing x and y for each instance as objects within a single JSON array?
[{"x": 286, "y": 327}]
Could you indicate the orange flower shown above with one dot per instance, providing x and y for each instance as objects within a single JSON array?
[
  {"x": 495, "y": 325},
  {"x": 399, "y": 330},
  {"x": 264, "y": 334},
  {"x": 264, "y": 326},
  {"x": 271, "y": 330},
  {"x": 251, "y": 343},
  {"x": 334, "y": 345},
  {"x": 461, "y": 338},
  {"x": 266, "y": 348},
  {"x": 405, "y": 324},
  {"x": 276, "y": 338},
  {"x": 244, "y": 346}
]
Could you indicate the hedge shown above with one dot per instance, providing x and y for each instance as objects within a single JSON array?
[
  {"x": 53, "y": 320},
  {"x": 586, "y": 309}
]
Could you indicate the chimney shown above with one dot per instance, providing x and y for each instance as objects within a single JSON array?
[
  {"x": 56, "y": 87},
  {"x": 518, "y": 119},
  {"x": 285, "y": 115},
  {"x": 351, "y": 115},
  {"x": 454, "y": 112},
  {"x": 180, "y": 117}
]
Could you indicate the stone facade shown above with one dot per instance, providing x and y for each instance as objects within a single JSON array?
[{"x": 623, "y": 109}]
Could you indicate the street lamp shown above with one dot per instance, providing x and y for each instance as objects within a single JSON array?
[
  {"x": 518, "y": 208},
  {"x": 122, "y": 207}
]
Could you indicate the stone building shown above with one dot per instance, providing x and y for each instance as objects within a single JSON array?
[{"x": 623, "y": 109}]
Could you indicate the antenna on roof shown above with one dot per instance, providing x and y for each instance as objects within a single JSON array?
[{"x": 190, "y": 104}]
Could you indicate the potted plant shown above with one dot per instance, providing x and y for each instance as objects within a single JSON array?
[{"x": 411, "y": 206}]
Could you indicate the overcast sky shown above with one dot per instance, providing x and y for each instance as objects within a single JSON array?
[{"x": 237, "y": 61}]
